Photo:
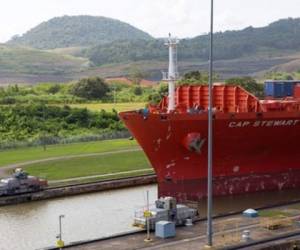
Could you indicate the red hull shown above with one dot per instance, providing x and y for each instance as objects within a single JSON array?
[
  {"x": 251, "y": 151},
  {"x": 196, "y": 189}
]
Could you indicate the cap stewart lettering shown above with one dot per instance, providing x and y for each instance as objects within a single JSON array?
[{"x": 266, "y": 123}]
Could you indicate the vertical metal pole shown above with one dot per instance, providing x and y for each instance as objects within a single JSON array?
[
  {"x": 210, "y": 136},
  {"x": 115, "y": 95},
  {"x": 171, "y": 75},
  {"x": 148, "y": 218},
  {"x": 148, "y": 200},
  {"x": 60, "y": 232}
]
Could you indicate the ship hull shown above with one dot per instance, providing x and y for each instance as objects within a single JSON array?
[
  {"x": 196, "y": 189},
  {"x": 251, "y": 152}
]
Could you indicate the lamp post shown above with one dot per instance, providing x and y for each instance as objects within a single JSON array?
[
  {"x": 210, "y": 135},
  {"x": 60, "y": 243},
  {"x": 115, "y": 87},
  {"x": 147, "y": 215}
]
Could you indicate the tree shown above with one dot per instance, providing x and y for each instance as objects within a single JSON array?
[
  {"x": 163, "y": 90},
  {"x": 138, "y": 90},
  {"x": 247, "y": 83},
  {"x": 197, "y": 77},
  {"x": 156, "y": 96},
  {"x": 289, "y": 77},
  {"x": 277, "y": 75},
  {"x": 53, "y": 89},
  {"x": 45, "y": 139},
  {"x": 136, "y": 75},
  {"x": 90, "y": 88}
]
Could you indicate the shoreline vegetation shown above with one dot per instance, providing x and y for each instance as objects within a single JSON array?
[
  {"x": 66, "y": 131},
  {"x": 86, "y": 110}
]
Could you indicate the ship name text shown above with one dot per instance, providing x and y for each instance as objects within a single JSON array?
[{"x": 267, "y": 123}]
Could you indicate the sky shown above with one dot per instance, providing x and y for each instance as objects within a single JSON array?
[{"x": 183, "y": 18}]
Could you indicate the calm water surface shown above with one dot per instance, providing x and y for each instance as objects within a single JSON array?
[{"x": 35, "y": 225}]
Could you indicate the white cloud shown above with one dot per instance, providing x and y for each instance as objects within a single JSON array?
[{"x": 183, "y": 18}]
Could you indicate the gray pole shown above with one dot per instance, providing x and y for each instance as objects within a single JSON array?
[
  {"x": 148, "y": 219},
  {"x": 60, "y": 227},
  {"x": 60, "y": 231},
  {"x": 115, "y": 95},
  {"x": 210, "y": 135}
]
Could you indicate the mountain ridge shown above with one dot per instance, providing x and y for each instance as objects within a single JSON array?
[
  {"x": 82, "y": 30},
  {"x": 282, "y": 35},
  {"x": 250, "y": 51}
]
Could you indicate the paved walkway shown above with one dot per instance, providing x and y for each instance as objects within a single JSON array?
[{"x": 101, "y": 175}]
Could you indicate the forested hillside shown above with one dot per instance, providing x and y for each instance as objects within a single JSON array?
[
  {"x": 283, "y": 35},
  {"x": 123, "y": 51},
  {"x": 15, "y": 59},
  {"x": 110, "y": 48},
  {"x": 72, "y": 31}
]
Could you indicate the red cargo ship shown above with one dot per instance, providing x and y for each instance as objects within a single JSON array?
[{"x": 255, "y": 142}]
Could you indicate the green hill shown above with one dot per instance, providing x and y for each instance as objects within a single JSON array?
[
  {"x": 83, "y": 46},
  {"x": 74, "y": 31},
  {"x": 282, "y": 36},
  {"x": 16, "y": 61}
]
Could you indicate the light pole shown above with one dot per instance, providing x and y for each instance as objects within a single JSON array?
[
  {"x": 148, "y": 214},
  {"x": 115, "y": 95},
  {"x": 60, "y": 243},
  {"x": 210, "y": 135}
]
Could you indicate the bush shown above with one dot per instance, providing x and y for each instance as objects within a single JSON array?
[
  {"x": 35, "y": 142},
  {"x": 41, "y": 122},
  {"x": 196, "y": 77},
  {"x": 8, "y": 100},
  {"x": 53, "y": 89},
  {"x": 247, "y": 83},
  {"x": 138, "y": 90},
  {"x": 90, "y": 88}
]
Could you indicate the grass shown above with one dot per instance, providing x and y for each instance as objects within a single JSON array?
[
  {"x": 81, "y": 166},
  {"x": 36, "y": 153},
  {"x": 109, "y": 106},
  {"x": 103, "y": 178},
  {"x": 272, "y": 213},
  {"x": 295, "y": 206},
  {"x": 87, "y": 166}
]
